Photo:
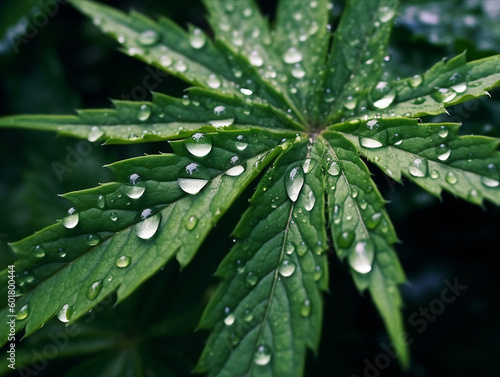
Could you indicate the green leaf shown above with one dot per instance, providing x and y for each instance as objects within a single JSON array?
[
  {"x": 431, "y": 155},
  {"x": 362, "y": 232},
  {"x": 121, "y": 233},
  {"x": 446, "y": 84},
  {"x": 268, "y": 308},
  {"x": 165, "y": 118},
  {"x": 355, "y": 63}
]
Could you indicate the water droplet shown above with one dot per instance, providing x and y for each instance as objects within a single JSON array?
[
  {"x": 22, "y": 313},
  {"x": 372, "y": 124},
  {"x": 298, "y": 72},
  {"x": 334, "y": 169},
  {"x": 213, "y": 82},
  {"x": 451, "y": 178},
  {"x": 294, "y": 183},
  {"x": 191, "y": 186},
  {"x": 191, "y": 223},
  {"x": 247, "y": 315},
  {"x": 251, "y": 279},
  {"x": 221, "y": 123},
  {"x": 385, "y": 14},
  {"x": 474, "y": 196},
  {"x": 148, "y": 224},
  {"x": 287, "y": 268},
  {"x": 350, "y": 102},
  {"x": 149, "y": 38},
  {"x": 262, "y": 356},
  {"x": 133, "y": 191},
  {"x": 197, "y": 39},
  {"x": 93, "y": 239},
  {"x": 362, "y": 257},
  {"x": 292, "y": 56},
  {"x": 94, "y": 290},
  {"x": 419, "y": 100},
  {"x": 345, "y": 239},
  {"x": 415, "y": 81},
  {"x": 354, "y": 192},
  {"x": 489, "y": 182},
  {"x": 39, "y": 251},
  {"x": 305, "y": 308},
  {"x": 240, "y": 143},
  {"x": 369, "y": 143},
  {"x": 289, "y": 248},
  {"x": 113, "y": 216},
  {"x": 199, "y": 145},
  {"x": 418, "y": 167},
  {"x": 123, "y": 261},
  {"x": 434, "y": 174},
  {"x": 385, "y": 101},
  {"x": 94, "y": 134},
  {"x": 100, "y": 201},
  {"x": 144, "y": 113},
  {"x": 443, "y": 132},
  {"x": 72, "y": 219},
  {"x": 443, "y": 152},
  {"x": 317, "y": 273},
  {"x": 180, "y": 66},
  {"x": 240, "y": 266},
  {"x": 309, "y": 198},
  {"x": 460, "y": 88},
  {"x": 65, "y": 313},
  {"x": 62, "y": 252},
  {"x": 229, "y": 319},
  {"x": 255, "y": 59},
  {"x": 235, "y": 171},
  {"x": 165, "y": 60},
  {"x": 444, "y": 95},
  {"x": 373, "y": 221}
]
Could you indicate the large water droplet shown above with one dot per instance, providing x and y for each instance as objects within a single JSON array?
[
  {"x": 72, "y": 219},
  {"x": 22, "y": 313},
  {"x": 144, "y": 113},
  {"x": 95, "y": 134},
  {"x": 213, "y": 82},
  {"x": 489, "y": 182},
  {"x": 369, "y": 143},
  {"x": 94, "y": 290},
  {"x": 65, "y": 313},
  {"x": 240, "y": 143},
  {"x": 362, "y": 256},
  {"x": 123, "y": 261},
  {"x": 262, "y": 356},
  {"x": 415, "y": 81},
  {"x": 444, "y": 95},
  {"x": 443, "y": 152},
  {"x": 199, "y": 145},
  {"x": 294, "y": 183},
  {"x": 191, "y": 185},
  {"x": 418, "y": 167},
  {"x": 133, "y": 191},
  {"x": 191, "y": 223},
  {"x": 345, "y": 239},
  {"x": 309, "y": 198},
  {"x": 350, "y": 103},
  {"x": 197, "y": 39},
  {"x": 287, "y": 268},
  {"x": 334, "y": 169},
  {"x": 292, "y": 56},
  {"x": 148, "y": 224},
  {"x": 235, "y": 171},
  {"x": 451, "y": 178},
  {"x": 385, "y": 101},
  {"x": 149, "y": 38},
  {"x": 221, "y": 123}
]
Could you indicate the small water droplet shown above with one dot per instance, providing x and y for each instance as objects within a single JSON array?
[
  {"x": 133, "y": 191},
  {"x": 191, "y": 223},
  {"x": 72, "y": 219},
  {"x": 94, "y": 134},
  {"x": 418, "y": 167},
  {"x": 489, "y": 182},
  {"x": 100, "y": 201},
  {"x": 39, "y": 251},
  {"x": 434, "y": 174},
  {"x": 373, "y": 221},
  {"x": 369, "y": 143},
  {"x": 65, "y": 313},
  {"x": 385, "y": 14},
  {"x": 474, "y": 196},
  {"x": 180, "y": 66},
  {"x": 262, "y": 355},
  {"x": 443, "y": 132},
  {"x": 451, "y": 178},
  {"x": 334, "y": 169},
  {"x": 165, "y": 61},
  {"x": 444, "y": 95},
  {"x": 289, "y": 248},
  {"x": 305, "y": 308},
  {"x": 22, "y": 313},
  {"x": 443, "y": 152},
  {"x": 199, "y": 145},
  {"x": 148, "y": 224},
  {"x": 113, "y": 216},
  {"x": 317, "y": 273},
  {"x": 298, "y": 72},
  {"x": 294, "y": 183},
  {"x": 229, "y": 319},
  {"x": 287, "y": 268},
  {"x": 372, "y": 124},
  {"x": 309, "y": 198},
  {"x": 123, "y": 261},
  {"x": 255, "y": 59},
  {"x": 240, "y": 143},
  {"x": 191, "y": 186},
  {"x": 415, "y": 81},
  {"x": 94, "y": 290},
  {"x": 149, "y": 38},
  {"x": 354, "y": 192},
  {"x": 345, "y": 239},
  {"x": 93, "y": 239},
  {"x": 197, "y": 39},
  {"x": 350, "y": 102},
  {"x": 62, "y": 252},
  {"x": 292, "y": 56},
  {"x": 361, "y": 258},
  {"x": 251, "y": 279},
  {"x": 240, "y": 266},
  {"x": 213, "y": 82},
  {"x": 235, "y": 171},
  {"x": 247, "y": 315},
  {"x": 144, "y": 113},
  {"x": 385, "y": 101}
]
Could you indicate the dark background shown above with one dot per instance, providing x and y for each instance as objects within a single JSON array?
[{"x": 68, "y": 64}]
